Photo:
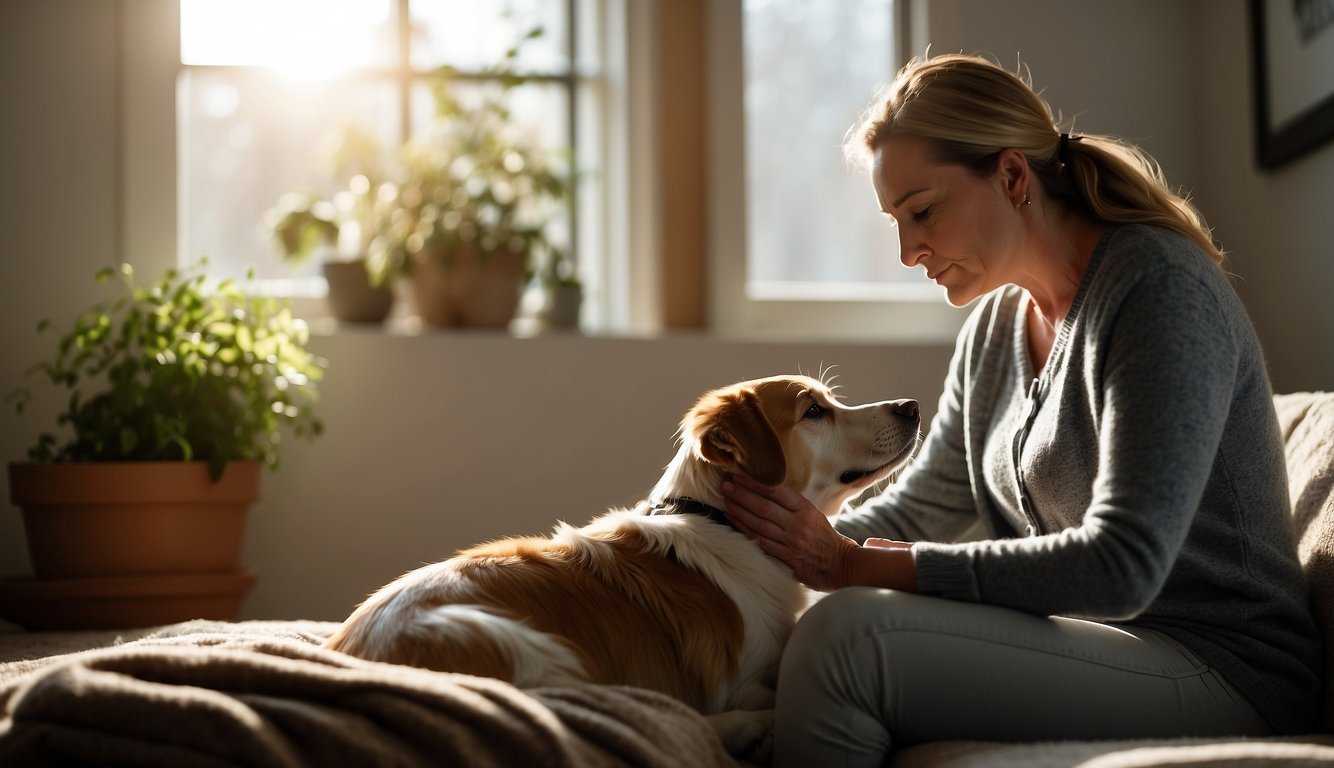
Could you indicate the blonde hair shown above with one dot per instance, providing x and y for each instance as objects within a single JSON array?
[{"x": 969, "y": 109}]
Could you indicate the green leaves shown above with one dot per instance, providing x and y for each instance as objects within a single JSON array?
[{"x": 176, "y": 371}]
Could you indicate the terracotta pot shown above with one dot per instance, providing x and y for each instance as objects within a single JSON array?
[
  {"x": 466, "y": 290},
  {"x": 132, "y": 518},
  {"x": 352, "y": 298}
]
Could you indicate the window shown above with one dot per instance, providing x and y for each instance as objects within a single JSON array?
[
  {"x": 821, "y": 61},
  {"x": 267, "y": 86},
  {"x": 820, "y": 260}
]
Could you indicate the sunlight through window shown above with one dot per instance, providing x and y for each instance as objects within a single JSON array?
[{"x": 304, "y": 39}]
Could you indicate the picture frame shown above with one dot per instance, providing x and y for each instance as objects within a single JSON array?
[{"x": 1292, "y": 51}]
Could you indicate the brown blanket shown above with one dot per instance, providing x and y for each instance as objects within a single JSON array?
[{"x": 266, "y": 695}]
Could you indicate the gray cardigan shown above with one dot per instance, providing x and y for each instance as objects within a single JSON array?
[{"x": 1139, "y": 479}]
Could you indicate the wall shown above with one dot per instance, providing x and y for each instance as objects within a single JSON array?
[
  {"x": 58, "y": 200},
  {"x": 438, "y": 441},
  {"x": 1125, "y": 68},
  {"x": 1275, "y": 225}
]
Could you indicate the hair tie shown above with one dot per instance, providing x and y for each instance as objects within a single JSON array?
[{"x": 1063, "y": 154}]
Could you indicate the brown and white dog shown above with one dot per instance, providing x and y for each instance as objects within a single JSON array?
[{"x": 655, "y": 596}]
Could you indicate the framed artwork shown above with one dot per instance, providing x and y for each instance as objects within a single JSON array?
[{"x": 1293, "y": 56}]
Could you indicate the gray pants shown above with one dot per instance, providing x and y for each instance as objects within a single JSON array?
[{"x": 868, "y": 669}]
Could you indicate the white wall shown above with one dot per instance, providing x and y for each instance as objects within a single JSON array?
[
  {"x": 1276, "y": 226},
  {"x": 438, "y": 441},
  {"x": 58, "y": 207}
]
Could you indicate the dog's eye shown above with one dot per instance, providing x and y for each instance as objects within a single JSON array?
[{"x": 816, "y": 411}]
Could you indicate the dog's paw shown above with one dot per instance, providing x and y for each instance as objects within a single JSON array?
[{"x": 746, "y": 734}]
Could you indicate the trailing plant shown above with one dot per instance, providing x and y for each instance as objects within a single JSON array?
[{"x": 176, "y": 371}]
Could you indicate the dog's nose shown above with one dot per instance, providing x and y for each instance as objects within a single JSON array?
[{"x": 907, "y": 408}]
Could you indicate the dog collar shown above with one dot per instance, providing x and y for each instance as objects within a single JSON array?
[{"x": 688, "y": 506}]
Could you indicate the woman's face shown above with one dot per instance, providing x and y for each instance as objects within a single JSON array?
[{"x": 962, "y": 229}]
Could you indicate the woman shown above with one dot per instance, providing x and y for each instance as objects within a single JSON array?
[{"x": 1097, "y": 528}]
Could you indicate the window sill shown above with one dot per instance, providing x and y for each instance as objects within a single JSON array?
[{"x": 410, "y": 328}]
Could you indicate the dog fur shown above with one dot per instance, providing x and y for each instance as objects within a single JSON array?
[{"x": 650, "y": 596}]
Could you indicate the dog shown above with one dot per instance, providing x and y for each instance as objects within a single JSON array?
[{"x": 665, "y": 595}]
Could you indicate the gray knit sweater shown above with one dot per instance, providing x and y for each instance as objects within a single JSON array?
[{"x": 1139, "y": 479}]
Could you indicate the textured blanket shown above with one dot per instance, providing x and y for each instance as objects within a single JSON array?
[{"x": 265, "y": 694}]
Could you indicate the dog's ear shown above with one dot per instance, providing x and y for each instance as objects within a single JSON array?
[{"x": 732, "y": 431}]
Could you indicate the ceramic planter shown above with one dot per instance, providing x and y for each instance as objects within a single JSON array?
[
  {"x": 352, "y": 298},
  {"x": 132, "y": 518},
  {"x": 560, "y": 309},
  {"x": 466, "y": 290}
]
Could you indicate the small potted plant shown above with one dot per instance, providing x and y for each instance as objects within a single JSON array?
[
  {"x": 338, "y": 230},
  {"x": 176, "y": 395},
  {"x": 561, "y": 294},
  {"x": 473, "y": 201}
]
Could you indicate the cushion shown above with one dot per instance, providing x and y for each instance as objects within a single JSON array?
[
  {"x": 1307, "y": 421},
  {"x": 1275, "y": 752}
]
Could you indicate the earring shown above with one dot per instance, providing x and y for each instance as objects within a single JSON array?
[{"x": 1027, "y": 200}]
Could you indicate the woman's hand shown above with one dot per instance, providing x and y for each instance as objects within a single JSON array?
[{"x": 788, "y": 527}]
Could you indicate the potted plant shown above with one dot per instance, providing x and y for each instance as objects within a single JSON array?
[
  {"x": 472, "y": 203},
  {"x": 561, "y": 294},
  {"x": 339, "y": 230},
  {"x": 176, "y": 395}
]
